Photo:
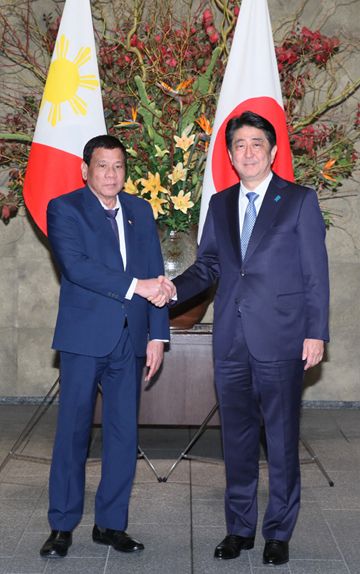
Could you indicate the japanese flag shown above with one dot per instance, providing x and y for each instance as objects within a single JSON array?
[
  {"x": 251, "y": 82},
  {"x": 71, "y": 113}
]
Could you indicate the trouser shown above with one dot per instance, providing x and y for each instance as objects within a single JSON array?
[
  {"x": 119, "y": 374},
  {"x": 252, "y": 393}
]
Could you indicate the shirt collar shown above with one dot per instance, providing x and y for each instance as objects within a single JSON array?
[
  {"x": 116, "y": 206},
  {"x": 260, "y": 189}
]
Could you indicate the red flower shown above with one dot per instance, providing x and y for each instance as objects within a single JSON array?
[
  {"x": 207, "y": 17},
  {"x": 172, "y": 63},
  {"x": 214, "y": 37}
]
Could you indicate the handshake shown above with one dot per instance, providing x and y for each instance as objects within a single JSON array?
[{"x": 158, "y": 291}]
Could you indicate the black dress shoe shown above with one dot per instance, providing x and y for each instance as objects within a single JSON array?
[
  {"x": 232, "y": 545},
  {"x": 56, "y": 546},
  {"x": 118, "y": 539},
  {"x": 276, "y": 552}
]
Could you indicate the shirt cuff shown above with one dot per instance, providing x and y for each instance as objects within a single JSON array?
[{"x": 130, "y": 291}]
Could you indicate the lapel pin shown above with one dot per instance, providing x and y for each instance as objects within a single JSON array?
[
  {"x": 130, "y": 221},
  {"x": 277, "y": 198}
]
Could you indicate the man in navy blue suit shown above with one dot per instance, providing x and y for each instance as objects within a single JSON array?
[
  {"x": 107, "y": 248},
  {"x": 264, "y": 243}
]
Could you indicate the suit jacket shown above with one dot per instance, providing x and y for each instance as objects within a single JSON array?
[
  {"x": 92, "y": 306},
  {"x": 281, "y": 289}
]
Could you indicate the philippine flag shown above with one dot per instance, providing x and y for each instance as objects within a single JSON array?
[
  {"x": 71, "y": 113},
  {"x": 251, "y": 82}
]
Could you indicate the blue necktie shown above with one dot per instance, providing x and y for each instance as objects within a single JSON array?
[
  {"x": 249, "y": 222},
  {"x": 111, "y": 216}
]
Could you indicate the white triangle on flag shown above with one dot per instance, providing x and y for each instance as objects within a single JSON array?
[{"x": 70, "y": 114}]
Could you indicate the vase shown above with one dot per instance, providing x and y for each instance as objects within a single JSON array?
[{"x": 179, "y": 252}]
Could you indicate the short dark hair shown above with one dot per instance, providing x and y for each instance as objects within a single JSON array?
[
  {"x": 104, "y": 141},
  {"x": 250, "y": 119}
]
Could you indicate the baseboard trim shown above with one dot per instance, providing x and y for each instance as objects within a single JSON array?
[{"x": 35, "y": 400}]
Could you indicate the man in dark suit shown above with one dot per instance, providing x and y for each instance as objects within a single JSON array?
[
  {"x": 106, "y": 246},
  {"x": 270, "y": 323}
]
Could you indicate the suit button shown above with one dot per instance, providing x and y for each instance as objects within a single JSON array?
[{"x": 242, "y": 273}]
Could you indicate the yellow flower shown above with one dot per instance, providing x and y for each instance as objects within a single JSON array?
[
  {"x": 156, "y": 204},
  {"x": 152, "y": 184},
  {"x": 178, "y": 174},
  {"x": 182, "y": 201},
  {"x": 130, "y": 187},
  {"x": 185, "y": 141},
  {"x": 160, "y": 152}
]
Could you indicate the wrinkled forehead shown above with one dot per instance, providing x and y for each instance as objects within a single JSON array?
[
  {"x": 108, "y": 155},
  {"x": 249, "y": 134}
]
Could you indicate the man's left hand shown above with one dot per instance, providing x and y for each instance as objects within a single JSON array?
[
  {"x": 154, "y": 358},
  {"x": 313, "y": 352}
]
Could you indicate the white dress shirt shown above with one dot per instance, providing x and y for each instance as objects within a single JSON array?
[
  {"x": 243, "y": 200},
  {"x": 120, "y": 223}
]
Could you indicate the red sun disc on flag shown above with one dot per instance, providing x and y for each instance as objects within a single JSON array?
[{"x": 223, "y": 173}]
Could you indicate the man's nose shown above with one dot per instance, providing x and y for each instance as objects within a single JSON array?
[{"x": 248, "y": 151}]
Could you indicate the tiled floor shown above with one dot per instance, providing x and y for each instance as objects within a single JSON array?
[{"x": 181, "y": 521}]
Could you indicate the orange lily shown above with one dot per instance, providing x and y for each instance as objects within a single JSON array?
[
  {"x": 180, "y": 90},
  {"x": 132, "y": 122},
  {"x": 204, "y": 123},
  {"x": 329, "y": 164},
  {"x": 327, "y": 167}
]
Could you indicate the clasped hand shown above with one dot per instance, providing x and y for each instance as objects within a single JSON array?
[{"x": 158, "y": 291}]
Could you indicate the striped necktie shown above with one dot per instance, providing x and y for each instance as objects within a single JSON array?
[
  {"x": 249, "y": 222},
  {"x": 111, "y": 216}
]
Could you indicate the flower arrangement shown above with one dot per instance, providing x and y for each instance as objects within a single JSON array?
[{"x": 160, "y": 79}]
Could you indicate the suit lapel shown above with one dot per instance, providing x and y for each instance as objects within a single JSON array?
[
  {"x": 273, "y": 201},
  {"x": 232, "y": 218},
  {"x": 129, "y": 229}
]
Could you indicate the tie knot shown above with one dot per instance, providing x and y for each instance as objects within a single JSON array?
[
  {"x": 111, "y": 213},
  {"x": 252, "y": 196}
]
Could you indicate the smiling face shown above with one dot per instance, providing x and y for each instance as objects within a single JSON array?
[
  {"x": 251, "y": 155},
  {"x": 105, "y": 175}
]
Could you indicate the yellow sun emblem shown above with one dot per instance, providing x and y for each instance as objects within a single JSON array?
[{"x": 64, "y": 80}]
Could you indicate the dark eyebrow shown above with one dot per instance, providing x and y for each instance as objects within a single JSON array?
[{"x": 260, "y": 139}]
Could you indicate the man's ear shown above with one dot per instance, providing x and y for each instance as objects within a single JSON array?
[
  {"x": 230, "y": 156},
  {"x": 273, "y": 153},
  {"x": 84, "y": 170}
]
